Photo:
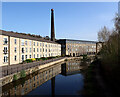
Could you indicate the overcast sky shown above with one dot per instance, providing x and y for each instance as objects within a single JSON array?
[{"x": 80, "y": 21}]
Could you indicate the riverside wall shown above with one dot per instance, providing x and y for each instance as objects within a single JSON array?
[{"x": 9, "y": 78}]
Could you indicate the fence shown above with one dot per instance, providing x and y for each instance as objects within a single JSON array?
[{"x": 11, "y": 69}]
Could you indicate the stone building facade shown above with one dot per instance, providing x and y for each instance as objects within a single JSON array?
[
  {"x": 16, "y": 47},
  {"x": 99, "y": 46},
  {"x": 77, "y": 47}
]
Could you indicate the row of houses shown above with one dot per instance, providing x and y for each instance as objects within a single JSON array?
[{"x": 17, "y": 47}]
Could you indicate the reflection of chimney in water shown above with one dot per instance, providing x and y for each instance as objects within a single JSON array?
[
  {"x": 53, "y": 86},
  {"x": 52, "y": 26}
]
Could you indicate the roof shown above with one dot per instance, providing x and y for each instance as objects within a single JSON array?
[
  {"x": 24, "y": 36},
  {"x": 77, "y": 40}
]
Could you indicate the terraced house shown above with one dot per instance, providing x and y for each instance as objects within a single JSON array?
[{"x": 17, "y": 47}]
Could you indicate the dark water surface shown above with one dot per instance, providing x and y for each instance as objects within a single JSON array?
[
  {"x": 60, "y": 79},
  {"x": 64, "y": 85}
]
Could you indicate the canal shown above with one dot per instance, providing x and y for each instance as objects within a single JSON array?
[{"x": 61, "y": 79}]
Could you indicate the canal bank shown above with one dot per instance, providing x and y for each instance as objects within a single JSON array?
[
  {"x": 94, "y": 82},
  {"x": 29, "y": 70},
  {"x": 59, "y": 79}
]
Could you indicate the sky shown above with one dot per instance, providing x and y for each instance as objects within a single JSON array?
[{"x": 73, "y": 20}]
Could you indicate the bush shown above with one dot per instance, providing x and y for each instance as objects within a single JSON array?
[
  {"x": 15, "y": 77},
  {"x": 33, "y": 59},
  {"x": 84, "y": 56},
  {"x": 44, "y": 58},
  {"x": 22, "y": 74},
  {"x": 28, "y": 60},
  {"x": 37, "y": 59}
]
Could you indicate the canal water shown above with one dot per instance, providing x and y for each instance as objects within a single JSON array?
[{"x": 60, "y": 79}]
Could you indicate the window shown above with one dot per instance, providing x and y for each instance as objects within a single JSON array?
[
  {"x": 37, "y": 50},
  {"x": 34, "y": 49},
  {"x": 40, "y": 44},
  {"x": 34, "y": 55},
  {"x": 34, "y": 43},
  {"x": 37, "y": 55},
  {"x": 43, "y": 44},
  {"x": 5, "y": 50},
  {"x": 30, "y": 50},
  {"x": 25, "y": 42},
  {"x": 30, "y": 56},
  {"x": 30, "y": 43},
  {"x": 5, "y": 41},
  {"x": 5, "y": 59},
  {"x": 22, "y": 57},
  {"x": 15, "y": 58},
  {"x": 15, "y": 41},
  {"x": 40, "y": 49},
  {"x": 37, "y": 43},
  {"x": 43, "y": 49},
  {"x": 22, "y": 42},
  {"x": 26, "y": 50},
  {"x": 26, "y": 56},
  {"x": 46, "y": 50},
  {"x": 15, "y": 50},
  {"x": 22, "y": 50}
]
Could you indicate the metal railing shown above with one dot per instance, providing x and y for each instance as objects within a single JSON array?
[{"x": 11, "y": 69}]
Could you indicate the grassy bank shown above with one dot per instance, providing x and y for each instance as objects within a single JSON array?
[{"x": 93, "y": 81}]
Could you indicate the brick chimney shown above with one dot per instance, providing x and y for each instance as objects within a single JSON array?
[{"x": 52, "y": 26}]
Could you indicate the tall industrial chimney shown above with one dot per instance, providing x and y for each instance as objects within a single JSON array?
[{"x": 52, "y": 26}]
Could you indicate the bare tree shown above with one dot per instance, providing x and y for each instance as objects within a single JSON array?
[
  {"x": 103, "y": 34},
  {"x": 117, "y": 22}
]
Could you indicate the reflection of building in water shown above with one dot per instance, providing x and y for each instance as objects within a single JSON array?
[
  {"x": 71, "y": 67},
  {"x": 30, "y": 82}
]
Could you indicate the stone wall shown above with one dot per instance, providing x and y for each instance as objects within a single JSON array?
[{"x": 9, "y": 78}]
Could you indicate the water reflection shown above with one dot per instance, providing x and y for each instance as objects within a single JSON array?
[
  {"x": 71, "y": 67},
  {"x": 31, "y": 82},
  {"x": 24, "y": 86}
]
